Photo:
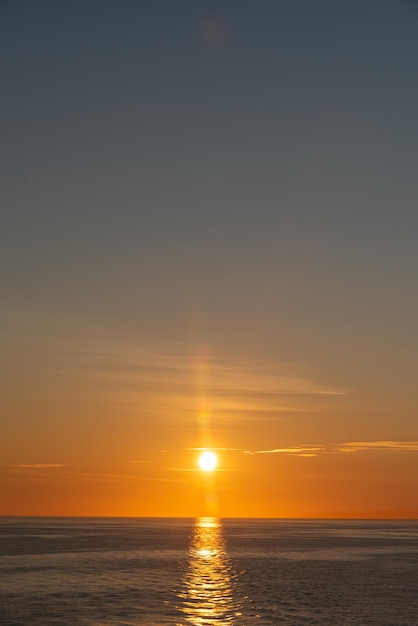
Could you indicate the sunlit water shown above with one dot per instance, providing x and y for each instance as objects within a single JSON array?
[
  {"x": 155, "y": 572},
  {"x": 207, "y": 596}
]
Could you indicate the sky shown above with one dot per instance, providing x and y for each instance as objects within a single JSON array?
[{"x": 208, "y": 241}]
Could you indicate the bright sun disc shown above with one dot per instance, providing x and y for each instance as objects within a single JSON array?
[{"x": 208, "y": 461}]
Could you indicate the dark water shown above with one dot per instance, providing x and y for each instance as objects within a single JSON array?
[{"x": 97, "y": 572}]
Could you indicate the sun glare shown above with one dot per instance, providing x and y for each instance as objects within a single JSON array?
[{"x": 208, "y": 461}]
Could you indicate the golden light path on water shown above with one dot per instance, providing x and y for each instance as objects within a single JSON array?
[{"x": 207, "y": 593}]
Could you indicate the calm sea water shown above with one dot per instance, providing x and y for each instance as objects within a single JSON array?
[{"x": 153, "y": 572}]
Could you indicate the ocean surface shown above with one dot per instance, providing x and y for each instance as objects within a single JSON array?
[{"x": 153, "y": 572}]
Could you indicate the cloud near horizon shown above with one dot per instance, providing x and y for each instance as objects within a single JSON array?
[
  {"x": 376, "y": 446},
  {"x": 349, "y": 447}
]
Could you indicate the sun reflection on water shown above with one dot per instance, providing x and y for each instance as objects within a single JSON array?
[{"x": 207, "y": 593}]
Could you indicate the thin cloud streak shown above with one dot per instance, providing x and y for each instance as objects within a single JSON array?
[
  {"x": 72, "y": 347},
  {"x": 295, "y": 451},
  {"x": 375, "y": 446},
  {"x": 35, "y": 465},
  {"x": 215, "y": 449},
  {"x": 198, "y": 470},
  {"x": 349, "y": 447}
]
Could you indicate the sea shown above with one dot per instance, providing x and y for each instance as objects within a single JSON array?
[{"x": 207, "y": 572}]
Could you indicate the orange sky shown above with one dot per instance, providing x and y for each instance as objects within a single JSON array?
[
  {"x": 209, "y": 240},
  {"x": 112, "y": 427}
]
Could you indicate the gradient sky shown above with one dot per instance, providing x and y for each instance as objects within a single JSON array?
[{"x": 208, "y": 238}]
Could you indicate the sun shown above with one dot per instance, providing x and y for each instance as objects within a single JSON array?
[{"x": 208, "y": 461}]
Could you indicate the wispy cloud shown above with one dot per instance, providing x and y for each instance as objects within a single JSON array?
[
  {"x": 303, "y": 450},
  {"x": 295, "y": 451},
  {"x": 215, "y": 449},
  {"x": 102, "y": 476},
  {"x": 161, "y": 372},
  {"x": 364, "y": 446},
  {"x": 348, "y": 447},
  {"x": 35, "y": 465},
  {"x": 127, "y": 375}
]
